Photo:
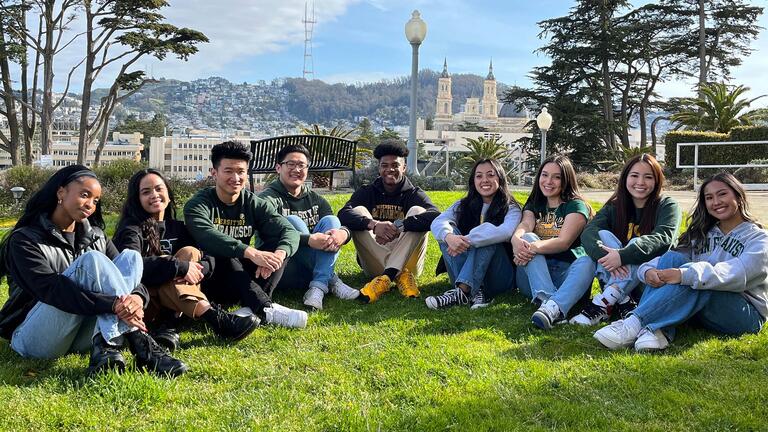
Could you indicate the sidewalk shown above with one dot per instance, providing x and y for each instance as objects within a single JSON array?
[{"x": 758, "y": 200}]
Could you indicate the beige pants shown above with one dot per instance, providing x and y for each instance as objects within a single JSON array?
[
  {"x": 406, "y": 251},
  {"x": 179, "y": 297}
]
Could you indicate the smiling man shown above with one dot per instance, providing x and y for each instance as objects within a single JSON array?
[
  {"x": 223, "y": 219},
  {"x": 389, "y": 220},
  {"x": 320, "y": 232}
]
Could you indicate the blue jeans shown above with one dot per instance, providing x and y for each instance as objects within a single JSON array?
[
  {"x": 319, "y": 263},
  {"x": 48, "y": 332},
  {"x": 551, "y": 279},
  {"x": 486, "y": 267},
  {"x": 624, "y": 285},
  {"x": 670, "y": 305}
]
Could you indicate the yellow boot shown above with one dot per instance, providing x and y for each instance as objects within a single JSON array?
[
  {"x": 375, "y": 288},
  {"x": 406, "y": 283}
]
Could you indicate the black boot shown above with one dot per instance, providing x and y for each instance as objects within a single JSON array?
[
  {"x": 151, "y": 356},
  {"x": 166, "y": 336},
  {"x": 229, "y": 326},
  {"x": 105, "y": 357}
]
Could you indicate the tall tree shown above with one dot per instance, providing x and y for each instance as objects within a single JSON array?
[{"x": 139, "y": 30}]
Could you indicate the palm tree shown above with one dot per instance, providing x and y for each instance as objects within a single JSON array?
[
  {"x": 718, "y": 110},
  {"x": 484, "y": 148}
]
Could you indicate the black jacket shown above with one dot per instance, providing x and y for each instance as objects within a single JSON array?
[
  {"x": 37, "y": 255},
  {"x": 160, "y": 269},
  {"x": 389, "y": 207}
]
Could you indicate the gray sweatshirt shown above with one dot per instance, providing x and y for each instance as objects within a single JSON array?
[
  {"x": 737, "y": 262},
  {"x": 482, "y": 235}
]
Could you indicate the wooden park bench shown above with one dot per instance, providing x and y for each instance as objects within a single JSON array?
[{"x": 329, "y": 154}]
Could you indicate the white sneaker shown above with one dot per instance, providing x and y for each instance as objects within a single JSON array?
[
  {"x": 285, "y": 317},
  {"x": 651, "y": 341},
  {"x": 547, "y": 315},
  {"x": 314, "y": 297},
  {"x": 617, "y": 335},
  {"x": 342, "y": 290}
]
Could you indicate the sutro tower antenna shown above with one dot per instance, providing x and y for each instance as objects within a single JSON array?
[{"x": 309, "y": 22}]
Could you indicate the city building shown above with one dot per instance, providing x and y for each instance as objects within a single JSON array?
[
  {"x": 64, "y": 148},
  {"x": 187, "y": 155}
]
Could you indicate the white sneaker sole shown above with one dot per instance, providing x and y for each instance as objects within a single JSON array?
[{"x": 610, "y": 343}]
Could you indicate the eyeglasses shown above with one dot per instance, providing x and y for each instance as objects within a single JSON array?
[{"x": 301, "y": 166}]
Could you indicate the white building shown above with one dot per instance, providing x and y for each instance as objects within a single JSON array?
[
  {"x": 187, "y": 156},
  {"x": 64, "y": 149}
]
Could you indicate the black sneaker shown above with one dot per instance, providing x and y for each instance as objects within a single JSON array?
[
  {"x": 622, "y": 310},
  {"x": 229, "y": 326},
  {"x": 105, "y": 357},
  {"x": 166, "y": 336},
  {"x": 451, "y": 297},
  {"x": 479, "y": 300},
  {"x": 591, "y": 315},
  {"x": 151, "y": 356}
]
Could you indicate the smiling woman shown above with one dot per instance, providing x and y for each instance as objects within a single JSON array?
[
  {"x": 636, "y": 225},
  {"x": 70, "y": 289},
  {"x": 718, "y": 275},
  {"x": 473, "y": 235}
]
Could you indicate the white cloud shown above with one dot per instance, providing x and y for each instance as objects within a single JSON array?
[{"x": 240, "y": 29}]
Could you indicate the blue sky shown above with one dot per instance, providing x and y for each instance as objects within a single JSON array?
[{"x": 363, "y": 40}]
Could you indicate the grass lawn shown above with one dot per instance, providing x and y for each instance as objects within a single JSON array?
[{"x": 396, "y": 365}]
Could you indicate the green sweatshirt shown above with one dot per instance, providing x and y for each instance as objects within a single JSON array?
[
  {"x": 309, "y": 206},
  {"x": 646, "y": 247},
  {"x": 226, "y": 230}
]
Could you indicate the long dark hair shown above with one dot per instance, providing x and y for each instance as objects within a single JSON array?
[
  {"x": 44, "y": 202},
  {"x": 469, "y": 208},
  {"x": 625, "y": 207},
  {"x": 134, "y": 214},
  {"x": 700, "y": 222},
  {"x": 569, "y": 187}
]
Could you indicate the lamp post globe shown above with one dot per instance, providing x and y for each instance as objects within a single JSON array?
[
  {"x": 544, "y": 122},
  {"x": 415, "y": 32},
  {"x": 17, "y": 192}
]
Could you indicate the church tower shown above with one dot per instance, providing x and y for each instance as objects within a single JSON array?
[
  {"x": 490, "y": 100},
  {"x": 443, "y": 111}
]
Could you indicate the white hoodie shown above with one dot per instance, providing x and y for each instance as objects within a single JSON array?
[
  {"x": 482, "y": 235},
  {"x": 737, "y": 262}
]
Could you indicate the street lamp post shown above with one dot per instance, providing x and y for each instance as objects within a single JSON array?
[
  {"x": 544, "y": 121},
  {"x": 415, "y": 32},
  {"x": 17, "y": 192}
]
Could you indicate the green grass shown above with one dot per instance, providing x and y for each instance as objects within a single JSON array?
[{"x": 395, "y": 365}]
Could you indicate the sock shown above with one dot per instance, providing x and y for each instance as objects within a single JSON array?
[
  {"x": 391, "y": 273},
  {"x": 611, "y": 295},
  {"x": 633, "y": 324},
  {"x": 625, "y": 300}
]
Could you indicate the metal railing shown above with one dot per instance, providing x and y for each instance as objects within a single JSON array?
[{"x": 696, "y": 165}]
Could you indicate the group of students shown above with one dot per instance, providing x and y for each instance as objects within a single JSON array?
[{"x": 72, "y": 289}]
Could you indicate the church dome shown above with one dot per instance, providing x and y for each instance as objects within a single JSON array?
[{"x": 510, "y": 111}]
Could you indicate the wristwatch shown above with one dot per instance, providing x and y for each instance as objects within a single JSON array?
[{"x": 398, "y": 224}]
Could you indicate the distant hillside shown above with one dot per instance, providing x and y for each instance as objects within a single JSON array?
[{"x": 218, "y": 103}]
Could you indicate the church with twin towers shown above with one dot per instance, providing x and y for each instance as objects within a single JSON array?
[
  {"x": 486, "y": 111},
  {"x": 448, "y": 133}
]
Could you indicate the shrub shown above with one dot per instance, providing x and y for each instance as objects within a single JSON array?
[
  {"x": 753, "y": 175},
  {"x": 120, "y": 169},
  {"x": 31, "y": 178},
  {"x": 603, "y": 180},
  {"x": 716, "y": 155},
  {"x": 432, "y": 183}
]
